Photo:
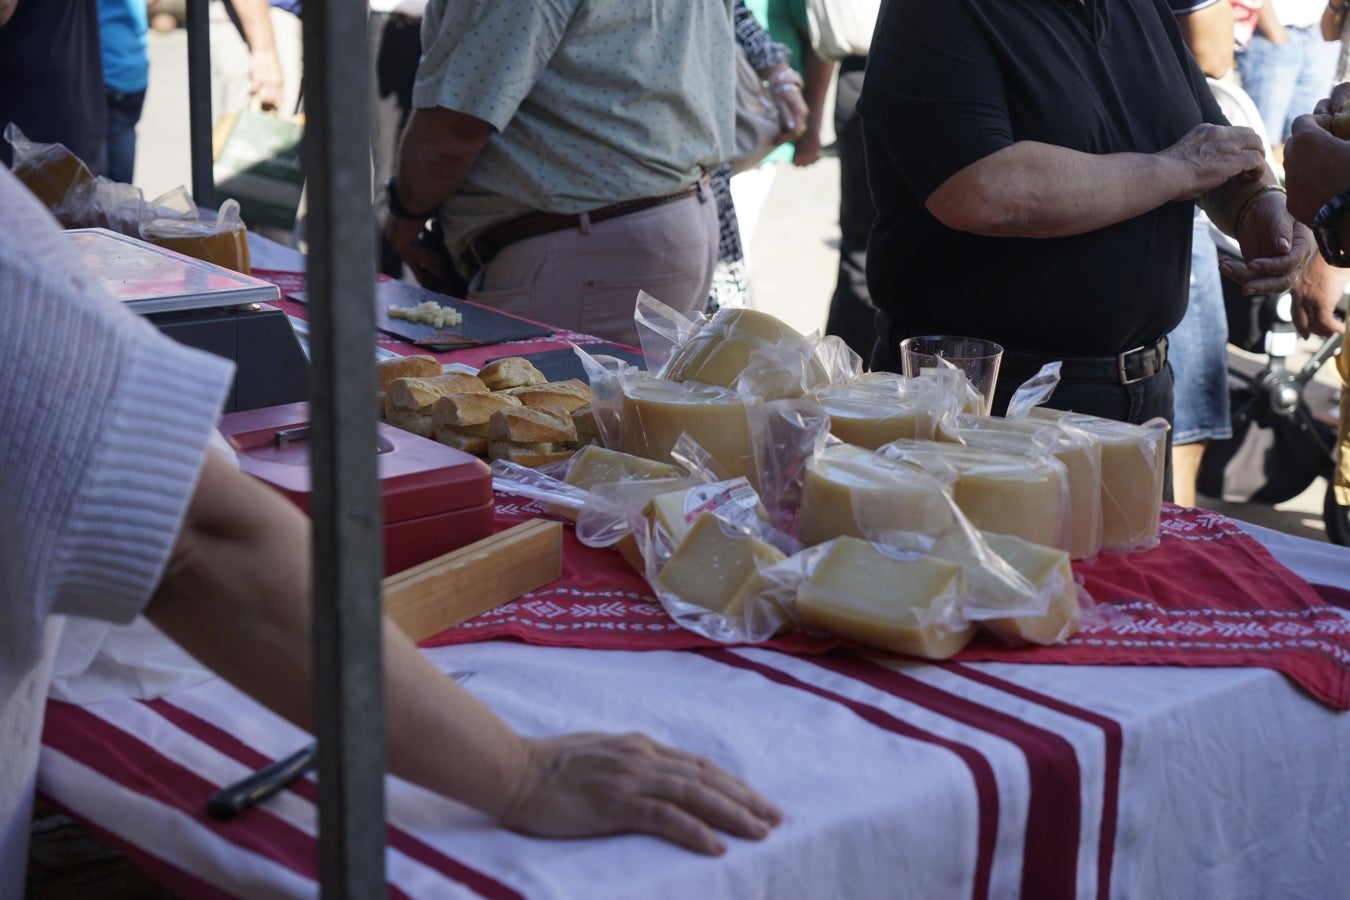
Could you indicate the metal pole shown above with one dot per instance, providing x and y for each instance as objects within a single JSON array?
[
  {"x": 199, "y": 102},
  {"x": 346, "y": 507}
]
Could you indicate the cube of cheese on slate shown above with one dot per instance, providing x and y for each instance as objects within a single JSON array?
[
  {"x": 1006, "y": 492},
  {"x": 716, "y": 568},
  {"x": 859, "y": 592},
  {"x": 847, "y": 490},
  {"x": 1050, "y": 573},
  {"x": 655, "y": 413},
  {"x": 1133, "y": 464},
  {"x": 1080, "y": 452}
]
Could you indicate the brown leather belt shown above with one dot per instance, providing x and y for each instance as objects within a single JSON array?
[
  {"x": 487, "y": 245},
  {"x": 1123, "y": 368}
]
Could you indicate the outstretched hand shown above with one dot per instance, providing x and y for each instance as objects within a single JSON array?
[
  {"x": 1213, "y": 154},
  {"x": 1316, "y": 164},
  {"x": 592, "y": 784}
]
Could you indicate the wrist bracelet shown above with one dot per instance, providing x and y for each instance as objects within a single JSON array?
[{"x": 1247, "y": 204}]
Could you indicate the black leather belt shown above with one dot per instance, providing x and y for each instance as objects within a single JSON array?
[
  {"x": 491, "y": 242},
  {"x": 1123, "y": 368}
]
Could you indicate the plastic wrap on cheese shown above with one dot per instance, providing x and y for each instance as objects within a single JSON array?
[
  {"x": 1049, "y": 572},
  {"x": 1079, "y": 451},
  {"x": 655, "y": 412},
  {"x": 1133, "y": 468},
  {"x": 1018, "y": 494},
  {"x": 884, "y": 598},
  {"x": 871, "y": 411},
  {"x": 847, "y": 490}
]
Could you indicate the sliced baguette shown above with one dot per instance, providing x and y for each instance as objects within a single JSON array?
[
  {"x": 513, "y": 371},
  {"x": 420, "y": 394},
  {"x": 529, "y": 425},
  {"x": 456, "y": 410}
]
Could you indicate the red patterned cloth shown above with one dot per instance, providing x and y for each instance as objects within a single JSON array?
[{"x": 1207, "y": 595}]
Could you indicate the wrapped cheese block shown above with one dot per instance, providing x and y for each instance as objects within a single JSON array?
[
  {"x": 735, "y": 501},
  {"x": 594, "y": 464},
  {"x": 859, "y": 591},
  {"x": 654, "y": 413},
  {"x": 719, "y": 349},
  {"x": 717, "y": 567},
  {"x": 1026, "y": 496},
  {"x": 870, "y": 414},
  {"x": 847, "y": 490},
  {"x": 1080, "y": 452},
  {"x": 1049, "y": 572},
  {"x": 1133, "y": 466}
]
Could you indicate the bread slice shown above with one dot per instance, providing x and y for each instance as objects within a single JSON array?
[
  {"x": 513, "y": 371},
  {"x": 528, "y": 425},
  {"x": 571, "y": 394},
  {"x": 419, "y": 394},
  {"x": 419, "y": 366},
  {"x": 469, "y": 443},
  {"x": 469, "y": 409},
  {"x": 588, "y": 432},
  {"x": 408, "y": 420}
]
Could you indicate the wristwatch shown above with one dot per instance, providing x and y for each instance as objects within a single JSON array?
[
  {"x": 1326, "y": 228},
  {"x": 396, "y": 207}
]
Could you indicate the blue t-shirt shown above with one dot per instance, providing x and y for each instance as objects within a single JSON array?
[{"x": 122, "y": 35}]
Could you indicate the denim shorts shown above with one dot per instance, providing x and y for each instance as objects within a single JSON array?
[{"x": 1197, "y": 350}]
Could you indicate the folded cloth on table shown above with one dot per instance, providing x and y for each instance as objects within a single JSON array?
[{"x": 1207, "y": 595}]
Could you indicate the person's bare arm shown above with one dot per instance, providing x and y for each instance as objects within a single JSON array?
[
  {"x": 236, "y": 596},
  {"x": 7, "y": 10},
  {"x": 266, "y": 79},
  {"x": 1269, "y": 24},
  {"x": 1208, "y": 33},
  {"x": 819, "y": 71},
  {"x": 1030, "y": 189},
  {"x": 436, "y": 151}
]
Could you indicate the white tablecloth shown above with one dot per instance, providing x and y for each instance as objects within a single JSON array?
[{"x": 898, "y": 779}]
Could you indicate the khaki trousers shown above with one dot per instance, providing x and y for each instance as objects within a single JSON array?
[{"x": 586, "y": 279}]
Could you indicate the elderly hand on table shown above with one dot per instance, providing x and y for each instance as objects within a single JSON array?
[{"x": 585, "y": 784}]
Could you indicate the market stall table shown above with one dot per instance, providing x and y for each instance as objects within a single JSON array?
[{"x": 980, "y": 779}]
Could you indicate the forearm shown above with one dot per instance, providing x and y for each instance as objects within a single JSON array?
[
  {"x": 1224, "y": 202},
  {"x": 819, "y": 71},
  {"x": 255, "y": 18},
  {"x": 1268, "y": 24},
  {"x": 237, "y": 596},
  {"x": 1039, "y": 190},
  {"x": 1209, "y": 35},
  {"x": 437, "y": 150}
]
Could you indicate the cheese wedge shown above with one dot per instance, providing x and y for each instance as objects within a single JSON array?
[
  {"x": 717, "y": 568},
  {"x": 594, "y": 464},
  {"x": 1080, "y": 452},
  {"x": 847, "y": 490},
  {"x": 859, "y": 592},
  {"x": 1133, "y": 466},
  {"x": 1050, "y": 574},
  {"x": 719, "y": 349},
  {"x": 735, "y": 501}
]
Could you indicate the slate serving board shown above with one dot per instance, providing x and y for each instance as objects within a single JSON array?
[
  {"x": 480, "y": 326},
  {"x": 560, "y": 365}
]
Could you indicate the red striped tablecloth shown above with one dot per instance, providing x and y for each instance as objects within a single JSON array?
[{"x": 968, "y": 779}]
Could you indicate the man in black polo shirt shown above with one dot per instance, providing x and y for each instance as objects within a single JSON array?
[{"x": 1034, "y": 166}]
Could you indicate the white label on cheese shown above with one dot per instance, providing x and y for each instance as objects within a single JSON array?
[{"x": 733, "y": 501}]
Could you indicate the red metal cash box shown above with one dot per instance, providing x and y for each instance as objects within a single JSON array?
[{"x": 436, "y": 498}]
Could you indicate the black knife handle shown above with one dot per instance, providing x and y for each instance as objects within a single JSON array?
[{"x": 230, "y": 801}]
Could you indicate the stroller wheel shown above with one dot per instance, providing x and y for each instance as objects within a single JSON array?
[{"x": 1337, "y": 519}]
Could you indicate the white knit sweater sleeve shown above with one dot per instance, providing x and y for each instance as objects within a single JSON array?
[{"x": 105, "y": 424}]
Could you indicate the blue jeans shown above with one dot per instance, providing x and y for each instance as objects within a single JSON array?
[
  {"x": 119, "y": 152},
  {"x": 1197, "y": 349},
  {"x": 1286, "y": 80}
]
